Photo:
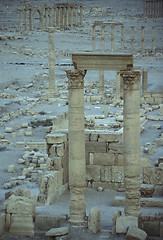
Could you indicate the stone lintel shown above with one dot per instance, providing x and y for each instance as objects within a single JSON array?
[{"x": 102, "y": 61}]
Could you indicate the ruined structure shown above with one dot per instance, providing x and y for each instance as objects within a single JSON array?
[{"x": 61, "y": 15}]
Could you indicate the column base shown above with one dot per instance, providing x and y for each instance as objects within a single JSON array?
[
  {"x": 53, "y": 94},
  {"x": 78, "y": 224}
]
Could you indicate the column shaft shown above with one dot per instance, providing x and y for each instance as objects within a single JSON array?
[
  {"x": 142, "y": 40},
  {"x": 132, "y": 38},
  {"x": 144, "y": 80},
  {"x": 21, "y": 19},
  {"x": 51, "y": 60},
  {"x": 112, "y": 38},
  {"x": 81, "y": 15},
  {"x": 118, "y": 86},
  {"x": 153, "y": 40},
  {"x": 122, "y": 39},
  {"x": 77, "y": 165},
  {"x": 93, "y": 38},
  {"x": 31, "y": 19},
  {"x": 131, "y": 115}
]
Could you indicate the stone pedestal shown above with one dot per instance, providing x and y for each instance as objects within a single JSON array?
[
  {"x": 77, "y": 165},
  {"x": 131, "y": 115}
]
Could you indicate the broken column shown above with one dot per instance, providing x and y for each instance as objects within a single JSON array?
[
  {"x": 77, "y": 165},
  {"x": 131, "y": 115},
  {"x": 52, "y": 91}
]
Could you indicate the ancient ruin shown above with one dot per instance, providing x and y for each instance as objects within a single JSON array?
[{"x": 81, "y": 116}]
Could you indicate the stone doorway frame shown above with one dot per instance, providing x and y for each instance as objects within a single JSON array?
[{"x": 122, "y": 62}]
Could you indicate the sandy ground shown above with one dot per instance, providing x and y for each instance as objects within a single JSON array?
[{"x": 24, "y": 81}]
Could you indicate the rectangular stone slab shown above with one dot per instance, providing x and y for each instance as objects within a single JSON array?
[{"x": 102, "y": 61}]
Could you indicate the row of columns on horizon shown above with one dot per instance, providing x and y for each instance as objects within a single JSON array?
[
  {"x": 77, "y": 165},
  {"x": 153, "y": 8},
  {"x": 62, "y": 15},
  {"x": 113, "y": 25}
]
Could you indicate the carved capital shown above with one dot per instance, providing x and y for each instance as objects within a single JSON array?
[
  {"x": 75, "y": 78},
  {"x": 131, "y": 79}
]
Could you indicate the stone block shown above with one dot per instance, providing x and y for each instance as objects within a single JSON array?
[
  {"x": 104, "y": 159},
  {"x": 19, "y": 205},
  {"x": 116, "y": 214},
  {"x": 22, "y": 225},
  {"x": 118, "y": 174},
  {"x": 146, "y": 162},
  {"x": 56, "y": 232},
  {"x": 152, "y": 228},
  {"x": 11, "y": 168},
  {"x": 7, "y": 221},
  {"x": 158, "y": 180},
  {"x": 106, "y": 174},
  {"x": 98, "y": 147},
  {"x": 96, "y": 185},
  {"x": 93, "y": 173},
  {"x": 56, "y": 138},
  {"x": 2, "y": 223},
  {"x": 53, "y": 151},
  {"x": 45, "y": 223},
  {"x": 116, "y": 147},
  {"x": 57, "y": 163},
  {"x": 124, "y": 222},
  {"x": 147, "y": 190},
  {"x": 148, "y": 175},
  {"x": 8, "y": 130},
  {"x": 135, "y": 233},
  {"x": 94, "y": 221},
  {"x": 119, "y": 159}
]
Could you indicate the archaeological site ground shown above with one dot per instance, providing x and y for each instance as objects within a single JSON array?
[{"x": 81, "y": 119}]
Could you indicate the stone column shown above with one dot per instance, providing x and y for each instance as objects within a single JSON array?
[
  {"x": 144, "y": 80},
  {"x": 59, "y": 16},
  {"x": 122, "y": 39},
  {"x": 81, "y": 15},
  {"x": 41, "y": 15},
  {"x": 93, "y": 38},
  {"x": 21, "y": 20},
  {"x": 77, "y": 165},
  {"x": 76, "y": 15},
  {"x": 132, "y": 38},
  {"x": 67, "y": 17},
  {"x": 72, "y": 16},
  {"x": 46, "y": 17},
  {"x": 118, "y": 87},
  {"x": 26, "y": 20},
  {"x": 112, "y": 38},
  {"x": 101, "y": 72},
  {"x": 52, "y": 91},
  {"x": 142, "y": 40},
  {"x": 31, "y": 12},
  {"x": 131, "y": 141},
  {"x": 54, "y": 16},
  {"x": 153, "y": 40},
  {"x": 51, "y": 17}
]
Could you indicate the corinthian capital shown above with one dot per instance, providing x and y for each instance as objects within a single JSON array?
[
  {"x": 75, "y": 78},
  {"x": 131, "y": 79}
]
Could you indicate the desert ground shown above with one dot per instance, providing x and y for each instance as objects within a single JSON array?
[{"x": 24, "y": 82}]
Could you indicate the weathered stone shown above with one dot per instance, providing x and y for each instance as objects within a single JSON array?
[
  {"x": 2, "y": 223},
  {"x": 11, "y": 168},
  {"x": 135, "y": 233},
  {"x": 44, "y": 223},
  {"x": 124, "y": 222},
  {"x": 55, "y": 232},
  {"x": 22, "y": 224},
  {"x": 94, "y": 222},
  {"x": 19, "y": 205},
  {"x": 147, "y": 190},
  {"x": 116, "y": 214}
]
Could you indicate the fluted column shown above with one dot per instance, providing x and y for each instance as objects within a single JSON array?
[
  {"x": 52, "y": 90},
  {"x": 77, "y": 165},
  {"x": 131, "y": 115},
  {"x": 41, "y": 15}
]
